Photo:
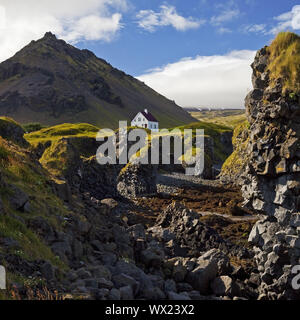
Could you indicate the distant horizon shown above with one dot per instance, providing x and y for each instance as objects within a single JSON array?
[{"x": 215, "y": 108}]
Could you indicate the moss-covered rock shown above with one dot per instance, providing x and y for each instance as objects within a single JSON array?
[
  {"x": 12, "y": 131},
  {"x": 284, "y": 61},
  {"x": 235, "y": 164}
]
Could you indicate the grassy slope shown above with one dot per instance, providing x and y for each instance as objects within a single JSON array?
[
  {"x": 285, "y": 61},
  {"x": 60, "y": 154},
  {"x": 63, "y": 130},
  {"x": 17, "y": 169}
]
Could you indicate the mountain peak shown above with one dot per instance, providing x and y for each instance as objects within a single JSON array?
[
  {"x": 49, "y": 35},
  {"x": 51, "y": 82}
]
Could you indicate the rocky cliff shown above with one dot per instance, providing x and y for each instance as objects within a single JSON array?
[{"x": 271, "y": 182}]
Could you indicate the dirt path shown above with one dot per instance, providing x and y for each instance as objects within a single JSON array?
[
  {"x": 219, "y": 205},
  {"x": 208, "y": 197},
  {"x": 250, "y": 218}
]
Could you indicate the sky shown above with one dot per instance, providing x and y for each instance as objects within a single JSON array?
[{"x": 195, "y": 52}]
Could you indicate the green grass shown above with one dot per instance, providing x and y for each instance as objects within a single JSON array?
[
  {"x": 20, "y": 171},
  {"x": 4, "y": 153},
  {"x": 63, "y": 131},
  {"x": 3, "y": 120},
  {"x": 31, "y": 246},
  {"x": 230, "y": 121},
  {"x": 285, "y": 61},
  {"x": 210, "y": 128}
]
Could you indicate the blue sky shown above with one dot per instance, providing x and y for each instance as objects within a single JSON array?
[
  {"x": 196, "y": 52},
  {"x": 135, "y": 50}
]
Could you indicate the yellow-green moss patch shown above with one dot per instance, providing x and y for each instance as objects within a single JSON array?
[{"x": 285, "y": 61}]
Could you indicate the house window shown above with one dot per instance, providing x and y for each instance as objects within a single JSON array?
[{"x": 139, "y": 119}]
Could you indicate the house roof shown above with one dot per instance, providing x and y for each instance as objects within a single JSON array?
[{"x": 149, "y": 116}]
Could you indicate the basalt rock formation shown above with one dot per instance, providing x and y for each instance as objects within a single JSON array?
[
  {"x": 137, "y": 180},
  {"x": 272, "y": 180},
  {"x": 271, "y": 183}
]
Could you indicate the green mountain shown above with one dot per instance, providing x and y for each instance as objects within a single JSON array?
[{"x": 52, "y": 82}]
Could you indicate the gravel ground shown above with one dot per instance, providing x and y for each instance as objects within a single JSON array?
[{"x": 171, "y": 183}]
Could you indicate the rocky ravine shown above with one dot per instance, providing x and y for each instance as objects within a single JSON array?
[
  {"x": 72, "y": 229},
  {"x": 85, "y": 245}
]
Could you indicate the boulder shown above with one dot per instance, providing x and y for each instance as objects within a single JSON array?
[
  {"x": 47, "y": 271},
  {"x": 114, "y": 294},
  {"x": 123, "y": 280},
  {"x": 153, "y": 256},
  {"x": 12, "y": 131},
  {"x": 224, "y": 286},
  {"x": 202, "y": 275},
  {"x": 17, "y": 198},
  {"x": 126, "y": 293},
  {"x": 137, "y": 180},
  {"x": 221, "y": 259},
  {"x": 190, "y": 235}
]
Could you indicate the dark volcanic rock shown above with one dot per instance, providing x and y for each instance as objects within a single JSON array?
[
  {"x": 136, "y": 180},
  {"x": 271, "y": 182},
  {"x": 12, "y": 131},
  {"x": 99, "y": 180},
  {"x": 189, "y": 237}
]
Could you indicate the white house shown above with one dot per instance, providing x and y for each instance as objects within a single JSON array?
[{"x": 145, "y": 119}]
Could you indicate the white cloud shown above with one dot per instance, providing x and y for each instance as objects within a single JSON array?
[
  {"x": 210, "y": 81},
  {"x": 225, "y": 16},
  {"x": 223, "y": 30},
  {"x": 255, "y": 28},
  {"x": 93, "y": 27},
  {"x": 288, "y": 20},
  {"x": 72, "y": 20},
  {"x": 167, "y": 16}
]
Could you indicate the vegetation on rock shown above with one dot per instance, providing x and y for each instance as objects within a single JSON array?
[
  {"x": 236, "y": 162},
  {"x": 284, "y": 61}
]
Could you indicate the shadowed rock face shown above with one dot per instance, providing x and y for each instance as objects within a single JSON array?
[
  {"x": 137, "y": 180},
  {"x": 272, "y": 178},
  {"x": 271, "y": 183},
  {"x": 12, "y": 131}
]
